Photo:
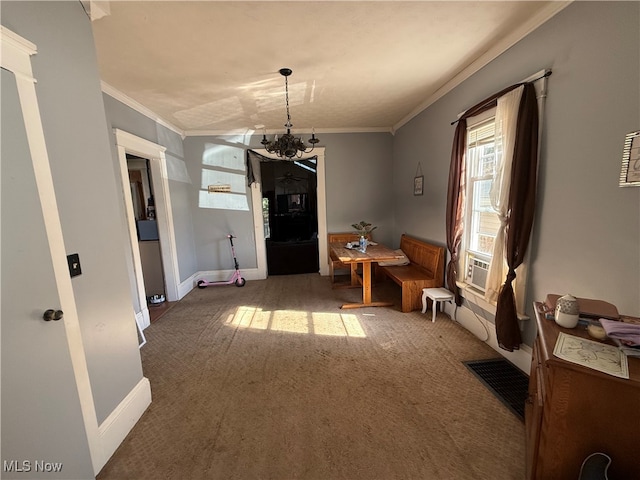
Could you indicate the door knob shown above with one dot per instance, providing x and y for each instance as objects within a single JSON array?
[{"x": 52, "y": 315}]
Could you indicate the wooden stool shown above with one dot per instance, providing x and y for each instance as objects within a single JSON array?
[{"x": 436, "y": 295}]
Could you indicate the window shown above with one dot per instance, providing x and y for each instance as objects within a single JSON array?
[
  {"x": 481, "y": 226},
  {"x": 485, "y": 152}
]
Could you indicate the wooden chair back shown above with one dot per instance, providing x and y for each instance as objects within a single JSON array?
[{"x": 344, "y": 238}]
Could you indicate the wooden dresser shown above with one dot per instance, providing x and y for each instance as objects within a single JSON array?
[{"x": 573, "y": 411}]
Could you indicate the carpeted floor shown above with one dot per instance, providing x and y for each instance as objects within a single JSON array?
[{"x": 274, "y": 381}]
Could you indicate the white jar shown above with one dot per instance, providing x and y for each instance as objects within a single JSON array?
[{"x": 567, "y": 312}]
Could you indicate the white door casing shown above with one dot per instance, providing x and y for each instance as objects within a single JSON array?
[
  {"x": 258, "y": 221},
  {"x": 128, "y": 143}
]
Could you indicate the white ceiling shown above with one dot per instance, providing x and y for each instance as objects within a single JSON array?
[{"x": 211, "y": 66}]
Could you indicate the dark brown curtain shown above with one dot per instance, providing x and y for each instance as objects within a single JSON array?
[
  {"x": 521, "y": 210},
  {"x": 251, "y": 155},
  {"x": 456, "y": 190},
  {"x": 455, "y": 206}
]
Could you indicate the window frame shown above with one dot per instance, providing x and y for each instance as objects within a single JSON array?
[{"x": 467, "y": 253}]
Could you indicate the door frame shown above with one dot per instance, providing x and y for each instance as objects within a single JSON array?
[
  {"x": 16, "y": 58},
  {"x": 258, "y": 221},
  {"x": 129, "y": 143}
]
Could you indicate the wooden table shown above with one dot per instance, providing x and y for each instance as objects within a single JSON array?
[{"x": 352, "y": 257}]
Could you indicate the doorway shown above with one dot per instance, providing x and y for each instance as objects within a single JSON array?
[
  {"x": 141, "y": 186},
  {"x": 155, "y": 162},
  {"x": 259, "y": 221},
  {"x": 290, "y": 213}
]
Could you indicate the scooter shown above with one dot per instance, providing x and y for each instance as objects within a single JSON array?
[{"x": 235, "y": 278}]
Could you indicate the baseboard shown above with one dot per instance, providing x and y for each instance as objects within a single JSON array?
[
  {"x": 119, "y": 423},
  {"x": 143, "y": 319},
  {"x": 186, "y": 286},
  {"x": 486, "y": 331}
]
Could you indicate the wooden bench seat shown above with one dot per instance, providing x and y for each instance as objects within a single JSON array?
[{"x": 426, "y": 270}]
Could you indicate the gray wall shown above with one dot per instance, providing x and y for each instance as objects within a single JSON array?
[
  {"x": 211, "y": 225},
  {"x": 39, "y": 391},
  {"x": 358, "y": 181},
  {"x": 125, "y": 118},
  {"x": 75, "y": 131},
  {"x": 587, "y": 229}
]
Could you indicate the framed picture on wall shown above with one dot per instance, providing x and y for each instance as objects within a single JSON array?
[
  {"x": 418, "y": 183},
  {"x": 630, "y": 173}
]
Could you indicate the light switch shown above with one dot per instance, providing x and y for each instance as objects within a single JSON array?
[{"x": 74, "y": 264}]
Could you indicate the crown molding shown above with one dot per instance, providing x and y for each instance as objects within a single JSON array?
[
  {"x": 130, "y": 102},
  {"x": 96, "y": 9},
  {"x": 552, "y": 9}
]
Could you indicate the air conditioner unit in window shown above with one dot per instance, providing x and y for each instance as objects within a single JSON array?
[{"x": 477, "y": 274}]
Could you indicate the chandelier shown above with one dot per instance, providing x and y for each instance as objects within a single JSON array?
[{"x": 287, "y": 146}]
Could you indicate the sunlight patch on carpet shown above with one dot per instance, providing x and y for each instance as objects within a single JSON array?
[{"x": 296, "y": 321}]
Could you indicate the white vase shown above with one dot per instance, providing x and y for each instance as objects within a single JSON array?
[{"x": 567, "y": 312}]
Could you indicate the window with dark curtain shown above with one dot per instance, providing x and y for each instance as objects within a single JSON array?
[{"x": 521, "y": 205}]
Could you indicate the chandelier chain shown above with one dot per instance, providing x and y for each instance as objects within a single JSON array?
[{"x": 286, "y": 91}]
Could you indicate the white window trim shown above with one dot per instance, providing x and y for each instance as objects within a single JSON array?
[{"x": 466, "y": 238}]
